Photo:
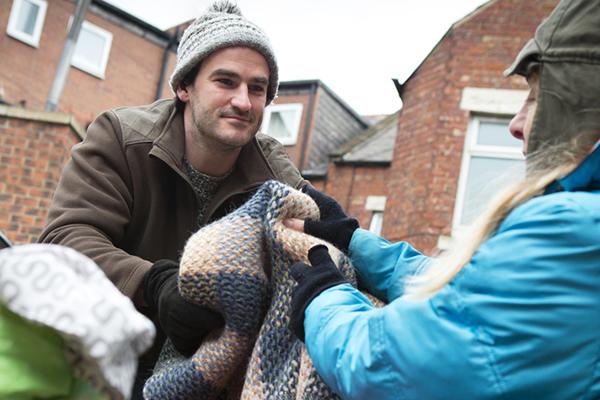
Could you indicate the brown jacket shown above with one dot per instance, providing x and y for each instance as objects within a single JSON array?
[{"x": 123, "y": 198}]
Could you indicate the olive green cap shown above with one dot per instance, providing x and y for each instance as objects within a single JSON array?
[
  {"x": 570, "y": 34},
  {"x": 566, "y": 52}
]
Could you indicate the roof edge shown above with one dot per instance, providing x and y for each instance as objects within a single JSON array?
[
  {"x": 448, "y": 32},
  {"x": 131, "y": 18},
  {"x": 338, "y": 99},
  {"x": 360, "y": 163},
  {"x": 361, "y": 138}
]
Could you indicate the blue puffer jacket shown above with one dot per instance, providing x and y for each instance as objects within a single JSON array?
[{"x": 520, "y": 321}]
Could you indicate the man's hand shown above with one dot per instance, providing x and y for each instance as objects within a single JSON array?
[
  {"x": 184, "y": 323},
  {"x": 311, "y": 282},
  {"x": 334, "y": 225}
]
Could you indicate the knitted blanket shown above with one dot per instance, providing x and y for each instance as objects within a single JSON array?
[{"x": 239, "y": 266}]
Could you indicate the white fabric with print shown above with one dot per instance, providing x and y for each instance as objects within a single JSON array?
[{"x": 63, "y": 289}]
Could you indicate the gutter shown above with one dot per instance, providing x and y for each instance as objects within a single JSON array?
[
  {"x": 360, "y": 163},
  {"x": 4, "y": 242},
  {"x": 141, "y": 24},
  {"x": 173, "y": 39}
]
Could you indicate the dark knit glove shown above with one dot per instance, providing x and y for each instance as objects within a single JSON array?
[
  {"x": 184, "y": 323},
  {"x": 334, "y": 226},
  {"x": 311, "y": 282}
]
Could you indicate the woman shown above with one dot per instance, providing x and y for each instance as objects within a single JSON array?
[{"x": 514, "y": 311}]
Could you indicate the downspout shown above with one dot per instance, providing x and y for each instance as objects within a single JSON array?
[
  {"x": 308, "y": 125},
  {"x": 62, "y": 70},
  {"x": 165, "y": 61}
]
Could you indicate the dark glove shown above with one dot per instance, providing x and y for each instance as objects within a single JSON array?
[
  {"x": 334, "y": 226},
  {"x": 311, "y": 282},
  {"x": 184, "y": 323}
]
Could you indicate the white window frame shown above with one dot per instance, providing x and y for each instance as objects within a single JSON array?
[
  {"x": 82, "y": 63},
  {"x": 297, "y": 107},
  {"x": 11, "y": 29},
  {"x": 376, "y": 204},
  {"x": 376, "y": 225},
  {"x": 472, "y": 149}
]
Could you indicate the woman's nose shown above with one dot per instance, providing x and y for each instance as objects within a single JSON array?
[{"x": 517, "y": 124}]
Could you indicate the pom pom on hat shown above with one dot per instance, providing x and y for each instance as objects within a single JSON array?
[{"x": 225, "y": 6}]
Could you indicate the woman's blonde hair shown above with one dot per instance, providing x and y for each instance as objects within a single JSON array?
[{"x": 547, "y": 165}]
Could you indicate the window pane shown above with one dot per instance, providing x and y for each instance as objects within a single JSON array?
[
  {"x": 27, "y": 17},
  {"x": 281, "y": 124},
  {"x": 486, "y": 176},
  {"x": 496, "y": 134},
  {"x": 90, "y": 47}
]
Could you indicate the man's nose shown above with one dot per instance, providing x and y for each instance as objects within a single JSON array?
[{"x": 241, "y": 100}]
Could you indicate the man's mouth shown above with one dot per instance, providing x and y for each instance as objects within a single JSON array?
[{"x": 238, "y": 117}]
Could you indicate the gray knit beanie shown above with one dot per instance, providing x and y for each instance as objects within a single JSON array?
[{"x": 221, "y": 26}]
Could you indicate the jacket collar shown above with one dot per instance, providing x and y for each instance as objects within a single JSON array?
[
  {"x": 169, "y": 145},
  {"x": 585, "y": 177},
  {"x": 250, "y": 171}
]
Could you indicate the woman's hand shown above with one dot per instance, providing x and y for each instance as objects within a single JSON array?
[
  {"x": 334, "y": 225},
  {"x": 311, "y": 282}
]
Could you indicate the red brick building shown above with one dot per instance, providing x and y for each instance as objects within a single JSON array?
[
  {"x": 118, "y": 60},
  {"x": 312, "y": 122},
  {"x": 452, "y": 137},
  {"x": 35, "y": 146},
  {"x": 416, "y": 173}
]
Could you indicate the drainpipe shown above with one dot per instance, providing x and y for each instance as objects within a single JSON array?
[
  {"x": 165, "y": 61},
  {"x": 65, "y": 57},
  {"x": 308, "y": 125}
]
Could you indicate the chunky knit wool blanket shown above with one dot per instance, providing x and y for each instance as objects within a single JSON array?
[{"x": 239, "y": 266}]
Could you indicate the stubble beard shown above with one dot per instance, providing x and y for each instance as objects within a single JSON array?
[{"x": 207, "y": 130}]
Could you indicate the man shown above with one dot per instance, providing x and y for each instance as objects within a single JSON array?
[{"x": 145, "y": 178}]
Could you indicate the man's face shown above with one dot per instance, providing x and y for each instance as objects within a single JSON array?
[
  {"x": 520, "y": 125},
  {"x": 225, "y": 103}
]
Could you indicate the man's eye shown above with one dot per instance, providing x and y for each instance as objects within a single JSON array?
[
  {"x": 257, "y": 89},
  {"x": 225, "y": 81}
]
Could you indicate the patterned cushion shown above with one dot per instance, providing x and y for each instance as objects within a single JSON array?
[{"x": 57, "y": 287}]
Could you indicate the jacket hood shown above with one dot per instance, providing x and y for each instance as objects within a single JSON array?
[{"x": 566, "y": 47}]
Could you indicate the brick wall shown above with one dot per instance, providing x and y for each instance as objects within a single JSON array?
[
  {"x": 422, "y": 181},
  {"x": 32, "y": 156},
  {"x": 420, "y": 185},
  {"x": 351, "y": 185},
  {"x": 428, "y": 150},
  {"x": 26, "y": 73}
]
